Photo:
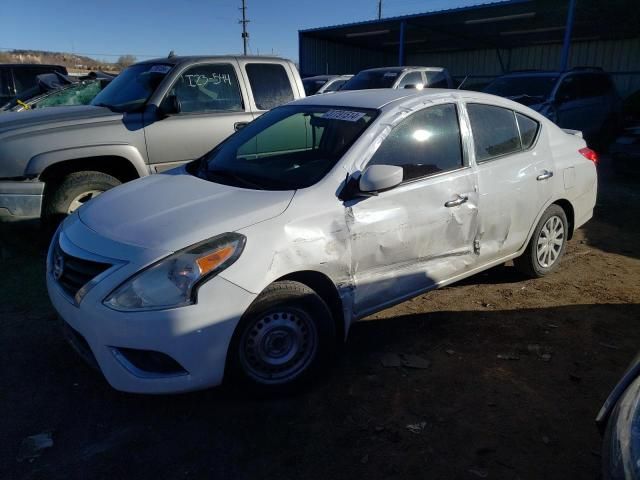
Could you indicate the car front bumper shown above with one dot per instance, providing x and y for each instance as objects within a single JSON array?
[
  {"x": 194, "y": 338},
  {"x": 20, "y": 199}
]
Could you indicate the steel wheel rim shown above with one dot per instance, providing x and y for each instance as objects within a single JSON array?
[
  {"x": 550, "y": 241},
  {"x": 278, "y": 346},
  {"x": 81, "y": 199}
]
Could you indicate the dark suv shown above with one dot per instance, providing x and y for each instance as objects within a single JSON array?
[
  {"x": 582, "y": 99},
  {"x": 15, "y": 78}
]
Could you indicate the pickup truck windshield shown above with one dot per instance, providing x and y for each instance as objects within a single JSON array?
[
  {"x": 287, "y": 148},
  {"x": 534, "y": 87},
  {"x": 132, "y": 88}
]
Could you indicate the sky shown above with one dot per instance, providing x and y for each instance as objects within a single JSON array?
[{"x": 107, "y": 29}]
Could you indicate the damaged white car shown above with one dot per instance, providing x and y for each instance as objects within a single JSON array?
[{"x": 253, "y": 262}]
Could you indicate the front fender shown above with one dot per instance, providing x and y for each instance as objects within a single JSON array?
[{"x": 40, "y": 162}]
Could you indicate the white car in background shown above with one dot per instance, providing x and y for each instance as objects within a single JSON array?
[
  {"x": 253, "y": 262},
  {"x": 324, "y": 83}
]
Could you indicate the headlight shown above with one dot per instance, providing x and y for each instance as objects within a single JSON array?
[{"x": 174, "y": 280}]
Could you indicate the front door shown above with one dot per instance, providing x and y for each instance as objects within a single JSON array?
[
  {"x": 407, "y": 240},
  {"x": 212, "y": 107},
  {"x": 514, "y": 177}
]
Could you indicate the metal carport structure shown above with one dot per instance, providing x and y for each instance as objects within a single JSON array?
[{"x": 486, "y": 40}]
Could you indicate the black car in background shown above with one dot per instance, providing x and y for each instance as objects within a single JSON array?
[{"x": 16, "y": 78}]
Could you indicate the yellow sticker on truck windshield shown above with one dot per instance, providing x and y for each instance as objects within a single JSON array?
[{"x": 345, "y": 115}]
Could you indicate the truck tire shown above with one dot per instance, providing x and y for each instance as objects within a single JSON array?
[{"x": 73, "y": 191}]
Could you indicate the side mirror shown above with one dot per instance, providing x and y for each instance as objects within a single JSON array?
[
  {"x": 378, "y": 178},
  {"x": 170, "y": 105}
]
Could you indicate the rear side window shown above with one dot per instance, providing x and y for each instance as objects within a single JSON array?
[
  {"x": 528, "y": 130},
  {"x": 425, "y": 143},
  {"x": 270, "y": 85},
  {"x": 494, "y": 131}
]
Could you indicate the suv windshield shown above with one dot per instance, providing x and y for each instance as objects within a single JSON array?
[
  {"x": 132, "y": 88},
  {"x": 287, "y": 148},
  {"x": 536, "y": 87},
  {"x": 372, "y": 79}
]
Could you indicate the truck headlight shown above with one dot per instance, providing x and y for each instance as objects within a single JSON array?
[{"x": 174, "y": 280}]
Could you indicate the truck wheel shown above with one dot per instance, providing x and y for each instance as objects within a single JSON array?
[
  {"x": 75, "y": 190},
  {"x": 284, "y": 338},
  {"x": 547, "y": 244}
]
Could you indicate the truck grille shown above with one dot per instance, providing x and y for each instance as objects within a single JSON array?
[{"x": 72, "y": 273}]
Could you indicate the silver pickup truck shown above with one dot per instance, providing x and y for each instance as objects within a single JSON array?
[{"x": 155, "y": 115}]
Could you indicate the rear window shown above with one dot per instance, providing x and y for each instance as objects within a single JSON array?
[
  {"x": 270, "y": 85},
  {"x": 494, "y": 131}
]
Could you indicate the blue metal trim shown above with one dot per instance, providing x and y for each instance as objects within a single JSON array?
[
  {"x": 566, "y": 45},
  {"x": 403, "y": 25},
  {"x": 418, "y": 15}
]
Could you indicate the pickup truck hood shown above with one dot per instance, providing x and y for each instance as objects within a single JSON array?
[
  {"x": 53, "y": 116},
  {"x": 174, "y": 210}
]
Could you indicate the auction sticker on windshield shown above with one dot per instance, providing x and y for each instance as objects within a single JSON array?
[
  {"x": 345, "y": 115},
  {"x": 160, "y": 69}
]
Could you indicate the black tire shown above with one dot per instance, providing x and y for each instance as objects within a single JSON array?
[
  {"x": 61, "y": 196},
  {"x": 528, "y": 263},
  {"x": 296, "y": 316}
]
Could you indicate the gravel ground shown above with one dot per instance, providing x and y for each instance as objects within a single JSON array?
[{"x": 516, "y": 371}]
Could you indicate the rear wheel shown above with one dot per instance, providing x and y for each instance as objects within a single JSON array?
[
  {"x": 283, "y": 339},
  {"x": 547, "y": 244},
  {"x": 73, "y": 191}
]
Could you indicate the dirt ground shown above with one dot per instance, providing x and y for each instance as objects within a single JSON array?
[{"x": 518, "y": 370}]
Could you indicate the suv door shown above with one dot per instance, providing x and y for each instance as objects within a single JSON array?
[
  {"x": 409, "y": 239},
  {"x": 582, "y": 102},
  {"x": 514, "y": 172},
  {"x": 212, "y": 107}
]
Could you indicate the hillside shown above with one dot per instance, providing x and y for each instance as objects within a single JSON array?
[{"x": 71, "y": 61}]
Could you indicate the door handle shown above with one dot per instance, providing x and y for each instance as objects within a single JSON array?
[
  {"x": 458, "y": 201},
  {"x": 238, "y": 125},
  {"x": 544, "y": 175}
]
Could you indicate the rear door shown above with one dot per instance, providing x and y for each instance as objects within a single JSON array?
[
  {"x": 408, "y": 239},
  {"x": 514, "y": 170},
  {"x": 212, "y": 106}
]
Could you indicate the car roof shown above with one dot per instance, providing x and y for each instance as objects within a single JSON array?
[
  {"x": 320, "y": 77},
  {"x": 31, "y": 65},
  {"x": 177, "y": 60},
  {"x": 401, "y": 69},
  {"x": 387, "y": 98}
]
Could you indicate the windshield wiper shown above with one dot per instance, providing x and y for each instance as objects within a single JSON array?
[{"x": 228, "y": 174}]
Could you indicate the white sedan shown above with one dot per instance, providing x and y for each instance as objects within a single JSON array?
[{"x": 253, "y": 262}]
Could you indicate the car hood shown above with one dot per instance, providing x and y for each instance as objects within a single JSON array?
[
  {"x": 49, "y": 117},
  {"x": 173, "y": 210}
]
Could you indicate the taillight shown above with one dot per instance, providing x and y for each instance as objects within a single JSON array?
[{"x": 589, "y": 154}]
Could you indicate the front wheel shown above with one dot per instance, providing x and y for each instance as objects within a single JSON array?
[
  {"x": 73, "y": 191},
  {"x": 547, "y": 244},
  {"x": 283, "y": 339}
]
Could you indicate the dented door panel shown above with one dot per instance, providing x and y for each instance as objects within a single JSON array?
[{"x": 405, "y": 241}]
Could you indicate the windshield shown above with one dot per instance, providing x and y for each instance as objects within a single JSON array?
[
  {"x": 132, "y": 88},
  {"x": 536, "y": 86},
  {"x": 372, "y": 79},
  {"x": 311, "y": 87},
  {"x": 80, "y": 94},
  {"x": 287, "y": 148}
]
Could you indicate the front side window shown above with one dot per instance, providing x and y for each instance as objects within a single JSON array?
[
  {"x": 270, "y": 85},
  {"x": 287, "y": 148},
  {"x": 208, "y": 88},
  {"x": 412, "y": 78},
  {"x": 130, "y": 90},
  {"x": 494, "y": 131},
  {"x": 425, "y": 143}
]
